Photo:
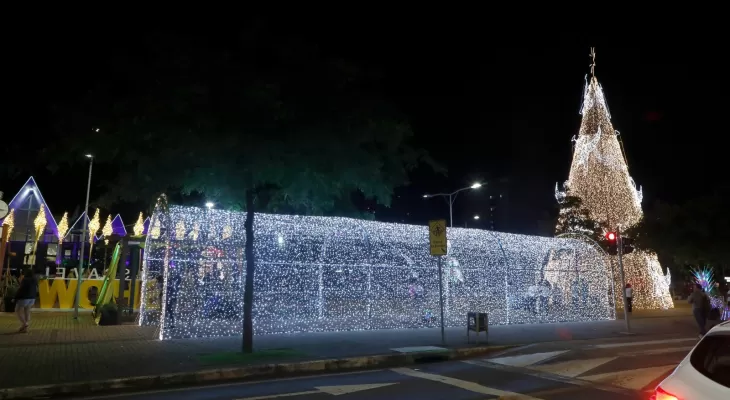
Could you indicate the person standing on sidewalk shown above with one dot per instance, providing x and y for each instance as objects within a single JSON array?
[
  {"x": 700, "y": 307},
  {"x": 629, "y": 298},
  {"x": 25, "y": 298}
]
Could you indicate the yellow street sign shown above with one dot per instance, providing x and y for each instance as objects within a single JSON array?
[{"x": 437, "y": 237}]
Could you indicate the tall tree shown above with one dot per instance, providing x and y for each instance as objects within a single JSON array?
[{"x": 255, "y": 125}]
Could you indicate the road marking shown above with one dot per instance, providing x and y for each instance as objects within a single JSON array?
[
  {"x": 657, "y": 351},
  {"x": 333, "y": 390},
  {"x": 649, "y": 343},
  {"x": 466, "y": 385},
  {"x": 418, "y": 349},
  {"x": 552, "y": 377},
  {"x": 573, "y": 368},
  {"x": 524, "y": 360},
  {"x": 635, "y": 379},
  {"x": 225, "y": 385}
]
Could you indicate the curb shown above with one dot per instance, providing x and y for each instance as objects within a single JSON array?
[{"x": 260, "y": 371}]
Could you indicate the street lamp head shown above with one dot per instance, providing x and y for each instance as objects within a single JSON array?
[
  {"x": 476, "y": 185},
  {"x": 209, "y": 205},
  {"x": 89, "y": 156},
  {"x": 476, "y": 217},
  {"x": 425, "y": 196}
]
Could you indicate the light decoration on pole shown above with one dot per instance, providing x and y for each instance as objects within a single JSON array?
[
  {"x": 139, "y": 226},
  {"x": 704, "y": 277},
  {"x": 599, "y": 176},
  {"x": 107, "y": 230},
  {"x": 40, "y": 223},
  {"x": 40, "y": 226},
  {"x": 94, "y": 225},
  {"x": 338, "y": 274},
  {"x": 10, "y": 222},
  {"x": 62, "y": 231}
]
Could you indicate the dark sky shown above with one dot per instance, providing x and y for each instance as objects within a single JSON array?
[{"x": 487, "y": 105}]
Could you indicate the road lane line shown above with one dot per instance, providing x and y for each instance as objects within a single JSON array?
[
  {"x": 649, "y": 343},
  {"x": 466, "y": 385}
]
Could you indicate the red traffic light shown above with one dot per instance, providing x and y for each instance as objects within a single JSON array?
[{"x": 611, "y": 236}]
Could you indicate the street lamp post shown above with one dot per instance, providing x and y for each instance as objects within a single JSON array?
[
  {"x": 451, "y": 198},
  {"x": 80, "y": 269}
]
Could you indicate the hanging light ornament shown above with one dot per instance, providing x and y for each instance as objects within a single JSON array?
[{"x": 139, "y": 226}]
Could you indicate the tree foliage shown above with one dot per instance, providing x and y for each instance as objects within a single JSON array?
[
  {"x": 277, "y": 126},
  {"x": 573, "y": 217},
  {"x": 691, "y": 233}
]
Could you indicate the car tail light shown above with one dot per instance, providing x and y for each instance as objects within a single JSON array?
[{"x": 661, "y": 394}]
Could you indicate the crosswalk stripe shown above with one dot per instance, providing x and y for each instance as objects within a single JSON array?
[
  {"x": 466, "y": 385},
  {"x": 657, "y": 351},
  {"x": 647, "y": 343},
  {"x": 573, "y": 368},
  {"x": 524, "y": 360},
  {"x": 635, "y": 379}
]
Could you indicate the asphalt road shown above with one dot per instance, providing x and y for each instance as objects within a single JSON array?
[{"x": 627, "y": 368}]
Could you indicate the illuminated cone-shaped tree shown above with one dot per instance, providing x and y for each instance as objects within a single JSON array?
[{"x": 599, "y": 177}]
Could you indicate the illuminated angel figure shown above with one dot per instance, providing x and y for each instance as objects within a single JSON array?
[{"x": 453, "y": 269}]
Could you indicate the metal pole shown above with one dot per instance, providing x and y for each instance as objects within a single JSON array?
[
  {"x": 80, "y": 269},
  {"x": 619, "y": 243},
  {"x": 451, "y": 211},
  {"x": 441, "y": 300}
]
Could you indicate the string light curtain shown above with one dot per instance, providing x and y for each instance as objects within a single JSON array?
[
  {"x": 599, "y": 176},
  {"x": 338, "y": 274}
]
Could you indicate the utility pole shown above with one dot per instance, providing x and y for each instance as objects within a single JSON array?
[
  {"x": 441, "y": 299},
  {"x": 619, "y": 243}
]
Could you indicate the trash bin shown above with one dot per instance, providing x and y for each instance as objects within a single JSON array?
[{"x": 477, "y": 322}]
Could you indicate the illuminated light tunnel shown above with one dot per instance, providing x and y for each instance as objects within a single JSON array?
[{"x": 340, "y": 274}]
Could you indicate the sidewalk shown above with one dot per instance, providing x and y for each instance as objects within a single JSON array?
[{"x": 59, "y": 349}]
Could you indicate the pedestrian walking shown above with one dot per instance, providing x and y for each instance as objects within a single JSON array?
[
  {"x": 700, "y": 307},
  {"x": 25, "y": 298},
  {"x": 629, "y": 298}
]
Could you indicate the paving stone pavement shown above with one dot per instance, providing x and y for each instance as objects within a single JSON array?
[{"x": 59, "y": 349}]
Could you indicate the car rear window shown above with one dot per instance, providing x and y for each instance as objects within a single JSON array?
[{"x": 712, "y": 358}]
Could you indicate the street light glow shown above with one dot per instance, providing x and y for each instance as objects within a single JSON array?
[
  {"x": 476, "y": 217},
  {"x": 209, "y": 205},
  {"x": 425, "y": 196},
  {"x": 89, "y": 156},
  {"x": 476, "y": 185}
]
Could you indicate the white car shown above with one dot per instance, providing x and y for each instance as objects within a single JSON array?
[{"x": 705, "y": 373}]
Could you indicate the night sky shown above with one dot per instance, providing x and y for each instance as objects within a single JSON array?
[{"x": 487, "y": 108}]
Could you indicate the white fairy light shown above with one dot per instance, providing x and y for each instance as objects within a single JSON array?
[
  {"x": 600, "y": 177},
  {"x": 337, "y": 274}
]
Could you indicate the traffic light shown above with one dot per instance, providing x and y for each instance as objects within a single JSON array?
[
  {"x": 627, "y": 245},
  {"x": 612, "y": 246}
]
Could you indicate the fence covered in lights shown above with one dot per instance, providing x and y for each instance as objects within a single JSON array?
[{"x": 335, "y": 274}]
